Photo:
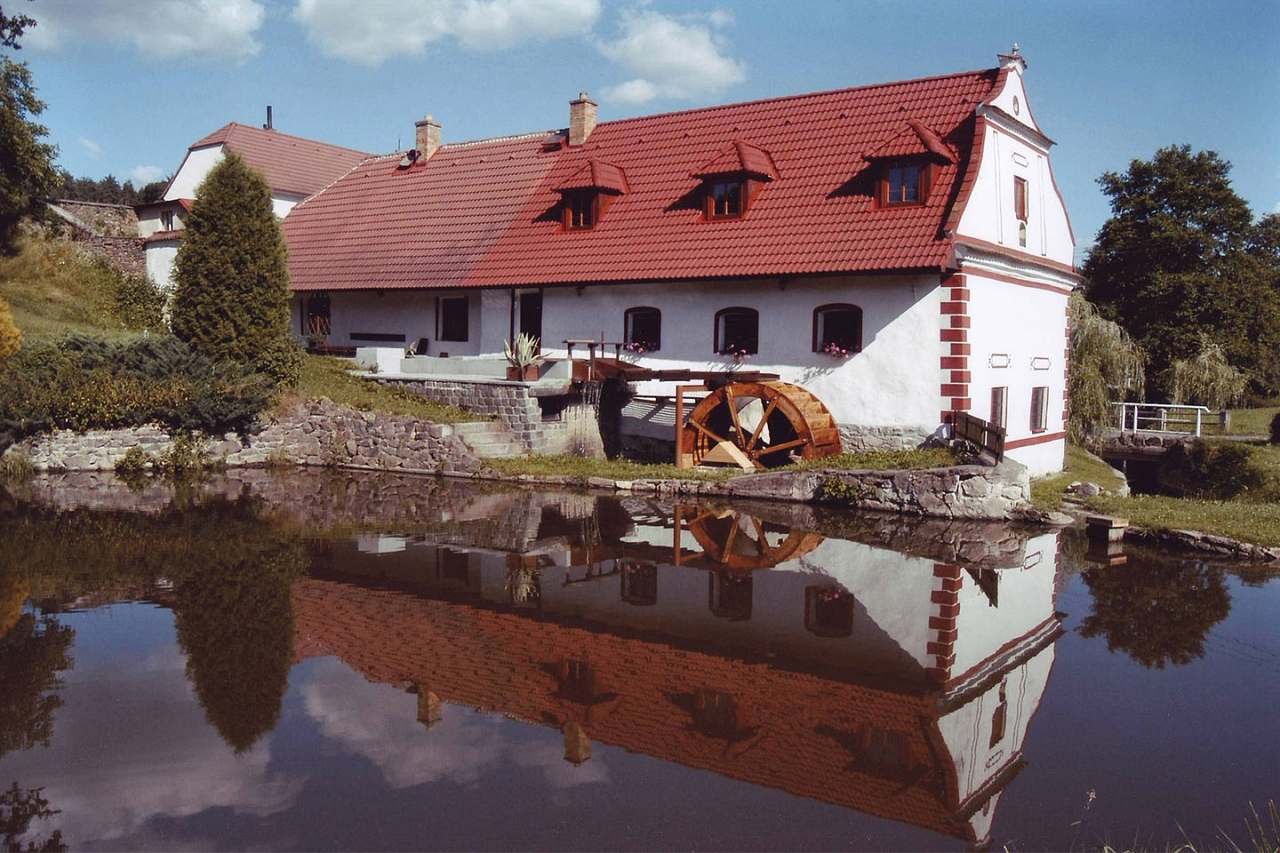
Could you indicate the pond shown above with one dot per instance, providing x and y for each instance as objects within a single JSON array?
[{"x": 369, "y": 661}]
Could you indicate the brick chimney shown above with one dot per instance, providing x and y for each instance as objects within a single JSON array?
[
  {"x": 582, "y": 118},
  {"x": 427, "y": 138}
]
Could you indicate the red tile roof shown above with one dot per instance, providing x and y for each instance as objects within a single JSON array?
[
  {"x": 484, "y": 213},
  {"x": 740, "y": 158},
  {"x": 597, "y": 175},
  {"x": 289, "y": 163}
]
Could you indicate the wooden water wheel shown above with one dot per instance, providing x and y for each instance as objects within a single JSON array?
[
  {"x": 734, "y": 540},
  {"x": 757, "y": 425}
]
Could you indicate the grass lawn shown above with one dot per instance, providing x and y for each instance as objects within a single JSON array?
[
  {"x": 328, "y": 377},
  {"x": 55, "y": 290},
  {"x": 1253, "y": 421},
  {"x": 1082, "y": 467},
  {"x": 625, "y": 469},
  {"x": 1249, "y": 522}
]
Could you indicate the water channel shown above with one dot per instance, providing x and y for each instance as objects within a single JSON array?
[{"x": 369, "y": 661}]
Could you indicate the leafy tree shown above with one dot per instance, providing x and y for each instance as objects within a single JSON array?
[
  {"x": 10, "y": 336},
  {"x": 18, "y": 808},
  {"x": 27, "y": 176},
  {"x": 12, "y": 28},
  {"x": 32, "y": 654},
  {"x": 1106, "y": 365},
  {"x": 234, "y": 618},
  {"x": 1181, "y": 255},
  {"x": 1157, "y": 613},
  {"x": 231, "y": 300},
  {"x": 1207, "y": 379}
]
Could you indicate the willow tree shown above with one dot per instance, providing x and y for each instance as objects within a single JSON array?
[
  {"x": 1106, "y": 366},
  {"x": 1207, "y": 378},
  {"x": 231, "y": 302}
]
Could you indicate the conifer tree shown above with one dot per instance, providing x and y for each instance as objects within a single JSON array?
[
  {"x": 10, "y": 337},
  {"x": 231, "y": 301}
]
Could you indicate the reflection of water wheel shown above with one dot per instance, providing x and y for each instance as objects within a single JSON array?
[
  {"x": 758, "y": 425},
  {"x": 743, "y": 542}
]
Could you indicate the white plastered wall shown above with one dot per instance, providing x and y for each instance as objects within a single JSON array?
[
  {"x": 411, "y": 313},
  {"x": 159, "y": 258},
  {"x": 892, "y": 382},
  {"x": 1012, "y": 147},
  {"x": 1025, "y": 328},
  {"x": 198, "y": 163}
]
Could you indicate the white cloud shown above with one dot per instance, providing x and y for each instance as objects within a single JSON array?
[
  {"x": 141, "y": 175},
  {"x": 158, "y": 29},
  {"x": 92, "y": 147},
  {"x": 673, "y": 57},
  {"x": 369, "y": 32}
]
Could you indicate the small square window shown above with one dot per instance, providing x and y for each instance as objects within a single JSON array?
[
  {"x": 166, "y": 220},
  {"x": 580, "y": 211},
  {"x": 642, "y": 329},
  {"x": 738, "y": 331},
  {"x": 902, "y": 185},
  {"x": 725, "y": 200},
  {"x": 454, "y": 320}
]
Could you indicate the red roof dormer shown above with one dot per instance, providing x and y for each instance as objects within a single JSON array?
[
  {"x": 587, "y": 193},
  {"x": 733, "y": 179}
]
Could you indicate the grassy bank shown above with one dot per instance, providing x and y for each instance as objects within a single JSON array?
[
  {"x": 1253, "y": 421},
  {"x": 625, "y": 469},
  {"x": 328, "y": 377},
  {"x": 1081, "y": 467},
  {"x": 55, "y": 289}
]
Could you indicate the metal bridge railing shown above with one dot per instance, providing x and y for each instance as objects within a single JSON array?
[{"x": 1164, "y": 417}]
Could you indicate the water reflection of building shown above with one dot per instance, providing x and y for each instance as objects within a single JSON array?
[{"x": 898, "y": 685}]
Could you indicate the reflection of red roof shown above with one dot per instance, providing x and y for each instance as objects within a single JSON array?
[
  {"x": 503, "y": 662},
  {"x": 289, "y": 163},
  {"x": 483, "y": 213}
]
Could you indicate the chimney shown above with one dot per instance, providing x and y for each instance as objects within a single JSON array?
[
  {"x": 267, "y": 126},
  {"x": 582, "y": 118},
  {"x": 427, "y": 139}
]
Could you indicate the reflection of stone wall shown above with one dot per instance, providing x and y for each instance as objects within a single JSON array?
[{"x": 317, "y": 432}]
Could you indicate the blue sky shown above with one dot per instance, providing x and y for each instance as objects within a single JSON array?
[{"x": 130, "y": 83}]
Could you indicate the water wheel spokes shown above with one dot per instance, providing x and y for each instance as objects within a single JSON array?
[
  {"x": 756, "y": 425},
  {"x": 742, "y": 542}
]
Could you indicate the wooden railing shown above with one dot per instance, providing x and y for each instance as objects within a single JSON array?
[
  {"x": 986, "y": 437},
  {"x": 1167, "y": 417}
]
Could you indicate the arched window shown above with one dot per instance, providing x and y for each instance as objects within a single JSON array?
[
  {"x": 737, "y": 331},
  {"x": 642, "y": 329},
  {"x": 837, "y": 329}
]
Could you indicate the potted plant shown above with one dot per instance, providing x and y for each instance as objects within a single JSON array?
[
  {"x": 523, "y": 358},
  {"x": 835, "y": 350},
  {"x": 635, "y": 349}
]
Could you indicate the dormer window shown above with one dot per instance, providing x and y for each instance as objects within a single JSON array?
[
  {"x": 588, "y": 192},
  {"x": 906, "y": 164},
  {"x": 733, "y": 179}
]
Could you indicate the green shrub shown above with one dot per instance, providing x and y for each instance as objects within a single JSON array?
[
  {"x": 187, "y": 458},
  {"x": 1215, "y": 472},
  {"x": 139, "y": 303},
  {"x": 231, "y": 300},
  {"x": 83, "y": 383},
  {"x": 136, "y": 461}
]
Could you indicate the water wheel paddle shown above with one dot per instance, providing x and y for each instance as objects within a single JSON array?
[
  {"x": 741, "y": 542},
  {"x": 757, "y": 425}
]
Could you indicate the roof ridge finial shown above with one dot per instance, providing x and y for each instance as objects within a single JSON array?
[{"x": 1012, "y": 58}]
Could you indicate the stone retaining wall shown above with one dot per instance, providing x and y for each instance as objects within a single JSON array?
[
  {"x": 549, "y": 424},
  {"x": 315, "y": 433}
]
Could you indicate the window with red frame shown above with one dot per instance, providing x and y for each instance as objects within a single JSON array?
[
  {"x": 726, "y": 199},
  {"x": 1039, "y": 409},
  {"x": 903, "y": 184},
  {"x": 580, "y": 211},
  {"x": 1020, "y": 199}
]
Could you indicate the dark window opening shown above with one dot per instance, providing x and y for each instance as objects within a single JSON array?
[
  {"x": 1020, "y": 199},
  {"x": 642, "y": 329},
  {"x": 999, "y": 407},
  {"x": 837, "y": 329},
  {"x": 902, "y": 185},
  {"x": 884, "y": 753},
  {"x": 453, "y": 312},
  {"x": 729, "y": 595},
  {"x": 453, "y": 567},
  {"x": 378, "y": 337},
  {"x": 1039, "y": 409},
  {"x": 577, "y": 682},
  {"x": 998, "y": 718},
  {"x": 166, "y": 220},
  {"x": 828, "y": 611},
  {"x": 737, "y": 331},
  {"x": 639, "y": 583},
  {"x": 317, "y": 322},
  {"x": 580, "y": 210},
  {"x": 725, "y": 199},
  {"x": 719, "y": 715}
]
